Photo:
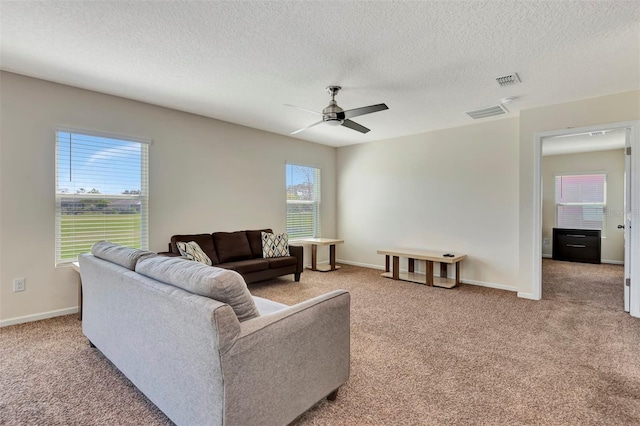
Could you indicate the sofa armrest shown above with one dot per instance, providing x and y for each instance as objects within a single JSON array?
[
  {"x": 298, "y": 253},
  {"x": 283, "y": 363}
]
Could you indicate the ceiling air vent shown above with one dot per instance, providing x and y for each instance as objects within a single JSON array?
[
  {"x": 507, "y": 80},
  {"x": 487, "y": 112}
]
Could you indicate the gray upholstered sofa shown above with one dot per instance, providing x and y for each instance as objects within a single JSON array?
[{"x": 237, "y": 360}]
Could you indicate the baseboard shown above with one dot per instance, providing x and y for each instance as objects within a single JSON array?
[
  {"x": 464, "y": 281},
  {"x": 38, "y": 317},
  {"x": 490, "y": 285},
  {"x": 530, "y": 296},
  {"x": 364, "y": 265},
  {"x": 611, "y": 262}
]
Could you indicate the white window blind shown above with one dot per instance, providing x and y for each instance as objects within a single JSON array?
[
  {"x": 581, "y": 201},
  {"x": 102, "y": 193},
  {"x": 303, "y": 201}
]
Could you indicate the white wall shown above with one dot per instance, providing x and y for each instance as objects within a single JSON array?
[
  {"x": 205, "y": 176},
  {"x": 614, "y": 108},
  {"x": 612, "y": 164},
  {"x": 448, "y": 190}
]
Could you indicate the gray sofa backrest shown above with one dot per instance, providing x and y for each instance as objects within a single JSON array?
[{"x": 144, "y": 327}]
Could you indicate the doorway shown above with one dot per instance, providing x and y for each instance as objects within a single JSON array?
[{"x": 629, "y": 282}]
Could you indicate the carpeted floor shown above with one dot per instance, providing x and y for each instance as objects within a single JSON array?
[{"x": 420, "y": 355}]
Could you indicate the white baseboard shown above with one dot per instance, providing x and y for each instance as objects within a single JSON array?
[
  {"x": 472, "y": 282},
  {"x": 530, "y": 296},
  {"x": 38, "y": 317},
  {"x": 364, "y": 265},
  {"x": 611, "y": 262}
]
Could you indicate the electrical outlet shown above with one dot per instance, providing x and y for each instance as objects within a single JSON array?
[
  {"x": 545, "y": 241},
  {"x": 18, "y": 284}
]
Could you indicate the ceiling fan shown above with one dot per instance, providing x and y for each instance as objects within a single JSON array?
[{"x": 333, "y": 115}]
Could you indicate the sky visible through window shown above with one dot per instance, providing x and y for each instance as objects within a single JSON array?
[{"x": 92, "y": 163}]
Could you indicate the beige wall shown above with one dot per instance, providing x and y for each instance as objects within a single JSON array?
[
  {"x": 205, "y": 175},
  {"x": 588, "y": 112},
  {"x": 448, "y": 190},
  {"x": 612, "y": 164}
]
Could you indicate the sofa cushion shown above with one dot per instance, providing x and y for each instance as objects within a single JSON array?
[
  {"x": 120, "y": 255},
  {"x": 204, "y": 241},
  {"x": 274, "y": 245},
  {"x": 266, "y": 306},
  {"x": 246, "y": 266},
  {"x": 255, "y": 241},
  {"x": 192, "y": 251},
  {"x": 232, "y": 246},
  {"x": 281, "y": 262},
  {"x": 216, "y": 283}
]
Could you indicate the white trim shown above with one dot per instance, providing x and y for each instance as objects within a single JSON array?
[
  {"x": 490, "y": 285},
  {"x": 103, "y": 134},
  {"x": 530, "y": 296},
  {"x": 363, "y": 265},
  {"x": 611, "y": 262},
  {"x": 634, "y": 127},
  {"x": 38, "y": 317}
]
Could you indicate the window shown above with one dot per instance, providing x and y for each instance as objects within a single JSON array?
[
  {"x": 102, "y": 192},
  {"x": 581, "y": 201},
  {"x": 303, "y": 201}
]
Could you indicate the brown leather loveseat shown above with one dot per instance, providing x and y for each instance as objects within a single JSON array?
[{"x": 241, "y": 251}]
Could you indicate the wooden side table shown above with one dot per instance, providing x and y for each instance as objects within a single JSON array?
[
  {"x": 315, "y": 242},
  {"x": 76, "y": 267}
]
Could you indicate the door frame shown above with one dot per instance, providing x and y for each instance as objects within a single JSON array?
[{"x": 634, "y": 127}]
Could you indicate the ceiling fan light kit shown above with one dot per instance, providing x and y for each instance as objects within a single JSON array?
[{"x": 333, "y": 115}]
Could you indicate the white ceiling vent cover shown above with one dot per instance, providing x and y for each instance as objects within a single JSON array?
[
  {"x": 507, "y": 80},
  {"x": 488, "y": 112}
]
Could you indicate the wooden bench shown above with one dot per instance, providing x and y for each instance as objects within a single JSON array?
[{"x": 429, "y": 256}]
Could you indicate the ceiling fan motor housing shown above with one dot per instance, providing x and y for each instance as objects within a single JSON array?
[{"x": 333, "y": 115}]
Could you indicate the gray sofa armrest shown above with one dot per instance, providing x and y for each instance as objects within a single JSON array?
[{"x": 283, "y": 363}]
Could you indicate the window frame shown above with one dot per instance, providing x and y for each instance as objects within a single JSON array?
[
  {"x": 316, "y": 203},
  {"x": 603, "y": 205},
  {"x": 143, "y": 196}
]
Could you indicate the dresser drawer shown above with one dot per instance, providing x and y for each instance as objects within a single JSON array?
[{"x": 576, "y": 245}]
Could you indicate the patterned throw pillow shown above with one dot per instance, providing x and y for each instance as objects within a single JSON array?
[
  {"x": 275, "y": 245},
  {"x": 192, "y": 251}
]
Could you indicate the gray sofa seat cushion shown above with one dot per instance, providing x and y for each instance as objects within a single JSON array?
[
  {"x": 216, "y": 283},
  {"x": 266, "y": 306},
  {"x": 124, "y": 256},
  {"x": 281, "y": 262},
  {"x": 246, "y": 266},
  {"x": 232, "y": 246}
]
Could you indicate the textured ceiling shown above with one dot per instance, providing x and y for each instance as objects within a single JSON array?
[{"x": 242, "y": 61}]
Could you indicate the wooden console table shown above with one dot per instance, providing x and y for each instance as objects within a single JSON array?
[
  {"x": 429, "y": 256},
  {"x": 315, "y": 242}
]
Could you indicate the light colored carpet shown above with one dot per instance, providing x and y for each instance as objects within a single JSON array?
[{"x": 420, "y": 355}]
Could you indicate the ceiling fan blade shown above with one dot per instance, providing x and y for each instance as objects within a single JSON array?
[
  {"x": 350, "y": 113},
  {"x": 304, "y": 109},
  {"x": 355, "y": 126},
  {"x": 305, "y": 128}
]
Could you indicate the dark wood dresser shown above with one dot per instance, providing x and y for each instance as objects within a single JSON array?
[{"x": 576, "y": 245}]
